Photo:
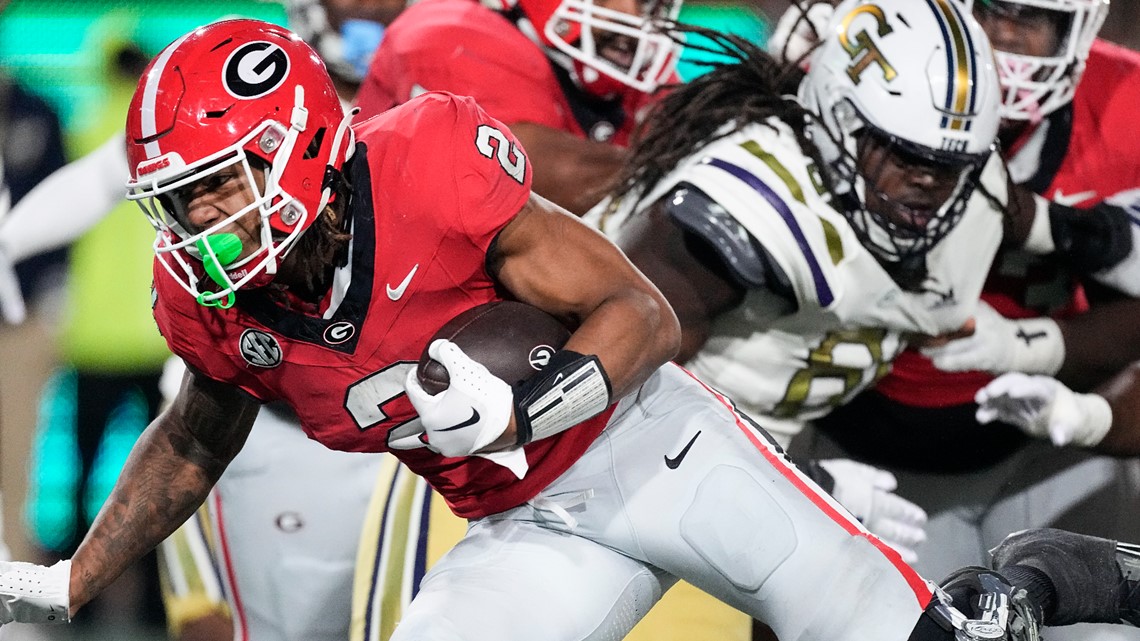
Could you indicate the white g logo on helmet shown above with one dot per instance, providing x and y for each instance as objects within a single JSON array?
[{"x": 255, "y": 69}]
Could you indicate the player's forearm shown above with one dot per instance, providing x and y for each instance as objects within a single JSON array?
[
  {"x": 1100, "y": 343},
  {"x": 632, "y": 333},
  {"x": 1123, "y": 396},
  {"x": 167, "y": 476}
]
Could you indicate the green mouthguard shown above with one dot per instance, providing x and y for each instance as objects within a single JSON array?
[{"x": 218, "y": 251}]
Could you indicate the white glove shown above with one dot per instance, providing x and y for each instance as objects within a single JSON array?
[
  {"x": 795, "y": 36},
  {"x": 1000, "y": 345},
  {"x": 867, "y": 492},
  {"x": 32, "y": 593},
  {"x": 1043, "y": 407},
  {"x": 471, "y": 413}
]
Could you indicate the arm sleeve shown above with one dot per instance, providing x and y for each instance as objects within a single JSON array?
[
  {"x": 492, "y": 173},
  {"x": 67, "y": 203}
]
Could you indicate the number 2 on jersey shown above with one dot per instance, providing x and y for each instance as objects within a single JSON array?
[
  {"x": 367, "y": 399},
  {"x": 493, "y": 143}
]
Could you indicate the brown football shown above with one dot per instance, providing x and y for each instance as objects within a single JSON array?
[{"x": 513, "y": 340}]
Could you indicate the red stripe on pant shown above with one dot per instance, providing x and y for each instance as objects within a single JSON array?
[{"x": 917, "y": 583}]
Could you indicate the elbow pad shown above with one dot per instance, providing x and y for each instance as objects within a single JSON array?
[{"x": 1091, "y": 240}]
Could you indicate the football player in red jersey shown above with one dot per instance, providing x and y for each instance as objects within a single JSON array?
[
  {"x": 569, "y": 77},
  {"x": 303, "y": 260}
]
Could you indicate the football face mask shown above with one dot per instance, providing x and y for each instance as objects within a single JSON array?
[
  {"x": 1041, "y": 47},
  {"x": 609, "y": 44},
  {"x": 902, "y": 91}
]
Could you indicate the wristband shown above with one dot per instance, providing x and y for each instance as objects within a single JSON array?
[
  {"x": 1091, "y": 240},
  {"x": 570, "y": 389},
  {"x": 1038, "y": 347}
]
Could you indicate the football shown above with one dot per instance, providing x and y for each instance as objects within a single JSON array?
[{"x": 513, "y": 340}]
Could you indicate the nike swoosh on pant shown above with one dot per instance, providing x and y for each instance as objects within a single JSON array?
[
  {"x": 675, "y": 462},
  {"x": 471, "y": 421}
]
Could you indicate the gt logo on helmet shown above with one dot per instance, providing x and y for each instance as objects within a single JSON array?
[
  {"x": 255, "y": 69},
  {"x": 863, "y": 43}
]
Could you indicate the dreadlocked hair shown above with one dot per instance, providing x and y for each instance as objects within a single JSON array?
[
  {"x": 323, "y": 247},
  {"x": 745, "y": 86}
]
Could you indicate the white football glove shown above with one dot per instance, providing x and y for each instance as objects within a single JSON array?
[
  {"x": 1043, "y": 407},
  {"x": 868, "y": 493},
  {"x": 471, "y": 413},
  {"x": 31, "y": 593},
  {"x": 1000, "y": 345},
  {"x": 795, "y": 36}
]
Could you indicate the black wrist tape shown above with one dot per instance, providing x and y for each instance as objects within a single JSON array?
[{"x": 1090, "y": 240}]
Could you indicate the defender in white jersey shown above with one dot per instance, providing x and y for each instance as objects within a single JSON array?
[{"x": 805, "y": 241}]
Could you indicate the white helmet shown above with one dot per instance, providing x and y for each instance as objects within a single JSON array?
[
  {"x": 918, "y": 76},
  {"x": 1035, "y": 86},
  {"x": 569, "y": 28}
]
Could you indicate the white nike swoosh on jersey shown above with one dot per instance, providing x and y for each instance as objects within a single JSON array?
[
  {"x": 1068, "y": 200},
  {"x": 394, "y": 293}
]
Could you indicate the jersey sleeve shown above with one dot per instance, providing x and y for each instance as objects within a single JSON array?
[
  {"x": 770, "y": 199},
  {"x": 492, "y": 173},
  {"x": 508, "y": 75}
]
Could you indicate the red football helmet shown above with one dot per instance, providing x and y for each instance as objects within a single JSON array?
[
  {"x": 585, "y": 31},
  {"x": 220, "y": 96}
]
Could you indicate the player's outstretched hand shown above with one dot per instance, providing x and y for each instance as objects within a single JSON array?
[
  {"x": 11, "y": 301},
  {"x": 1043, "y": 407},
  {"x": 868, "y": 493},
  {"x": 471, "y": 413},
  {"x": 32, "y": 593},
  {"x": 796, "y": 35},
  {"x": 1000, "y": 344}
]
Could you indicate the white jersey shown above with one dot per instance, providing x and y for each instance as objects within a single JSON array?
[{"x": 787, "y": 365}]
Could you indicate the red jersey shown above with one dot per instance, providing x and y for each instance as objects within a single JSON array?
[
  {"x": 1088, "y": 156},
  {"x": 467, "y": 49},
  {"x": 434, "y": 181}
]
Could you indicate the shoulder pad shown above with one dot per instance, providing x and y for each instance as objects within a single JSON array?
[{"x": 744, "y": 257}]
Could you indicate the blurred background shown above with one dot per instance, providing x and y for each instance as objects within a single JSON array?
[{"x": 67, "y": 70}]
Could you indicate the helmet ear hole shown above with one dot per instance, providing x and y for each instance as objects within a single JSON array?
[{"x": 314, "y": 148}]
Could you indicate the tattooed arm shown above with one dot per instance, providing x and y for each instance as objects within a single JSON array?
[{"x": 170, "y": 471}]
